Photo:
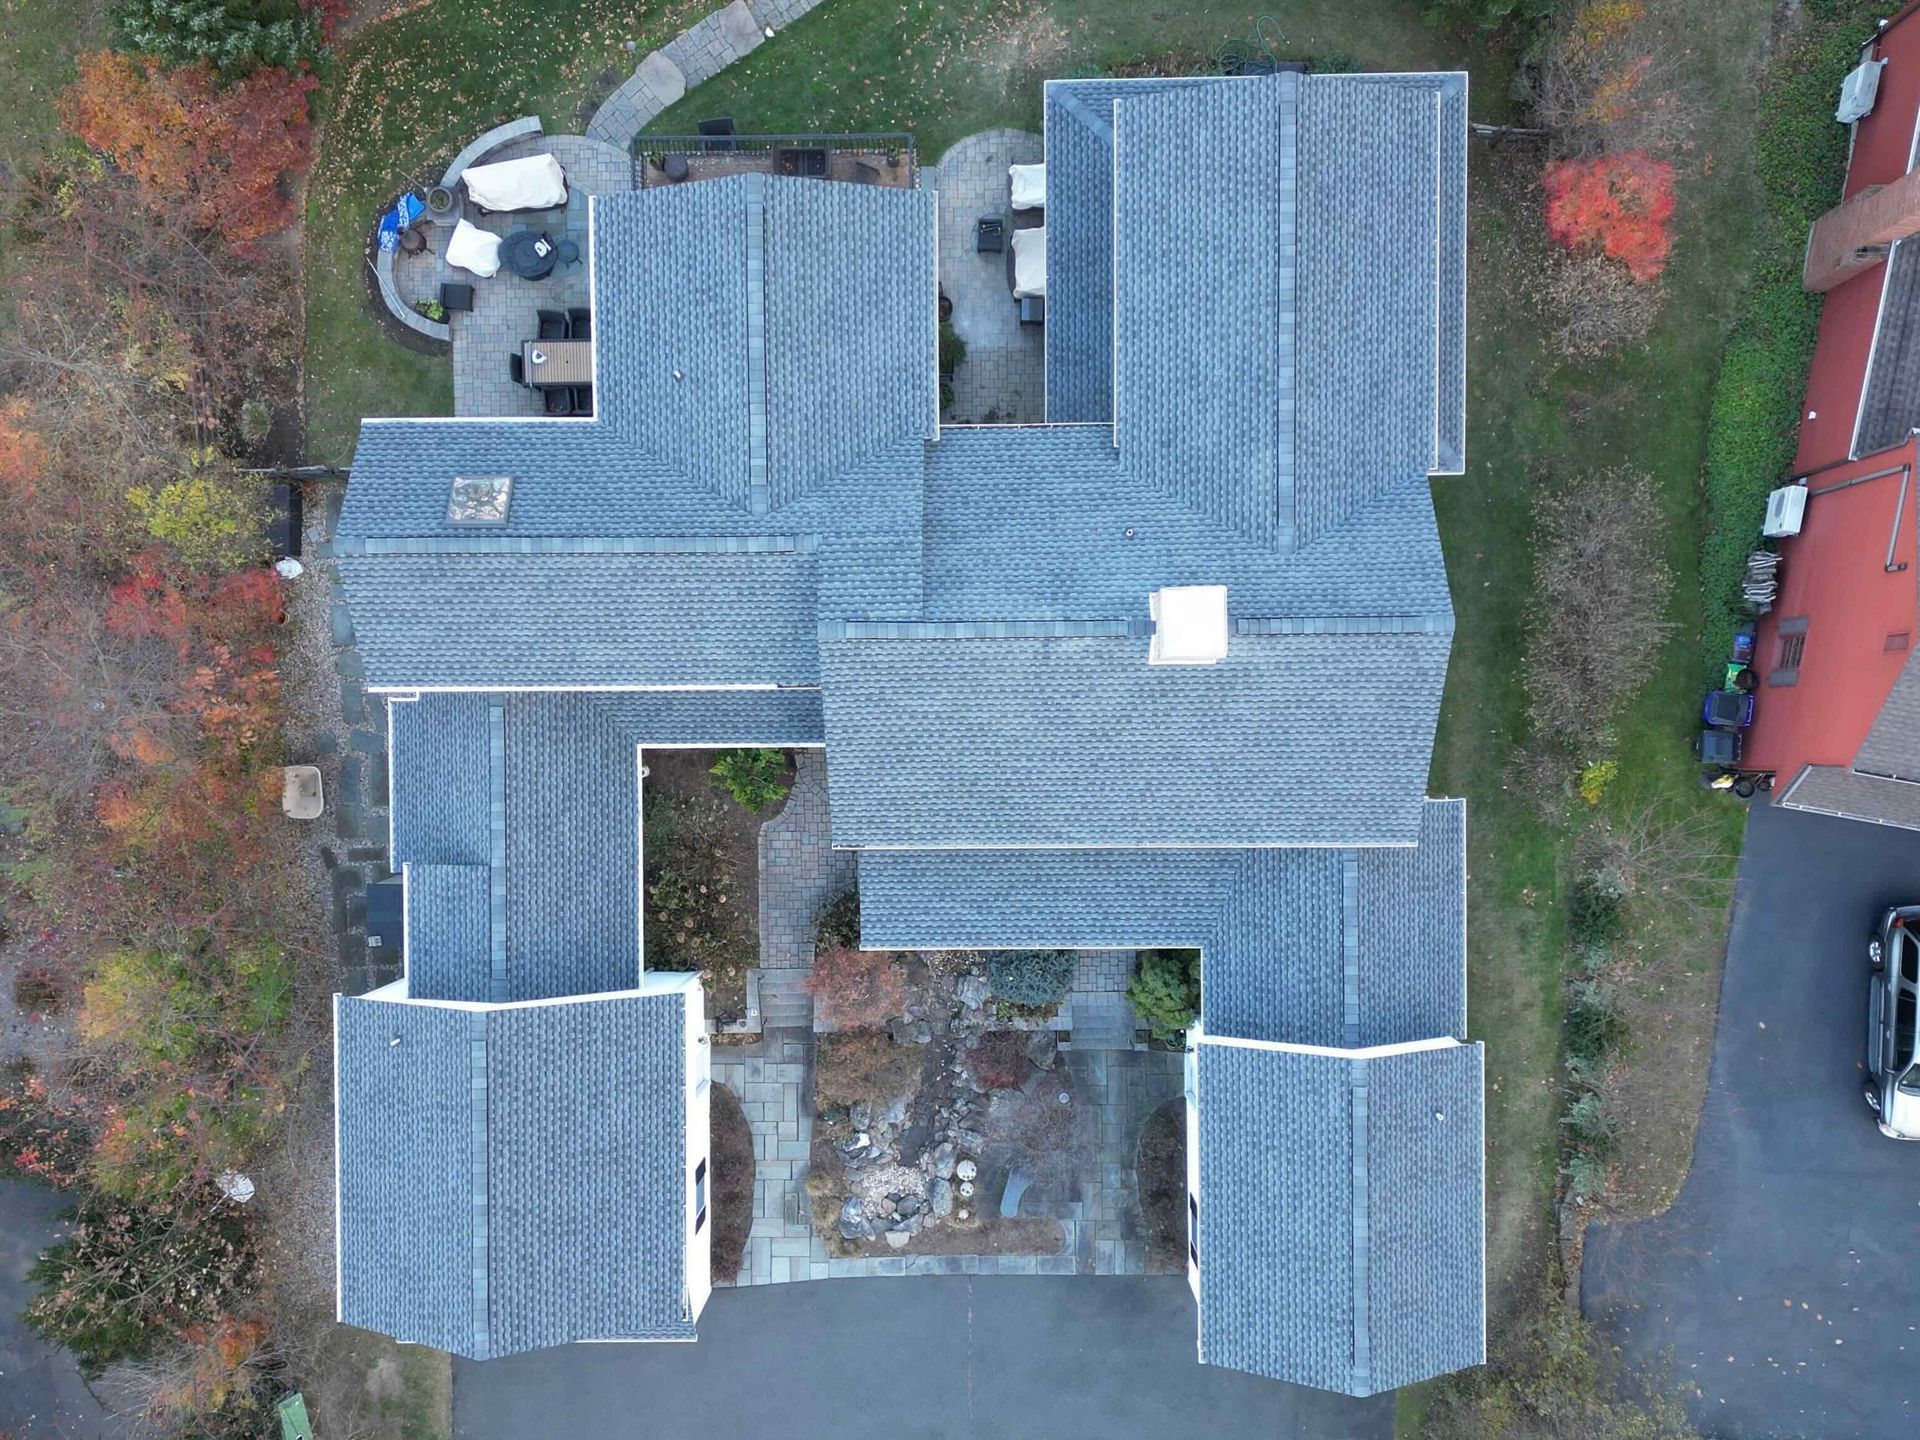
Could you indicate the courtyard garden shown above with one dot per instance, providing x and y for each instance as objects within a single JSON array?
[
  {"x": 938, "y": 1103},
  {"x": 700, "y": 834}
]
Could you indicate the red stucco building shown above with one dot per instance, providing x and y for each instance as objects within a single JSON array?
[{"x": 1838, "y": 715}]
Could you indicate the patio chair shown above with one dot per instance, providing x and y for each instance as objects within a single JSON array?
[
  {"x": 583, "y": 400},
  {"x": 559, "y": 400},
  {"x": 580, "y": 323},
  {"x": 553, "y": 324},
  {"x": 455, "y": 296},
  {"x": 517, "y": 368},
  {"x": 716, "y": 132},
  {"x": 989, "y": 235}
]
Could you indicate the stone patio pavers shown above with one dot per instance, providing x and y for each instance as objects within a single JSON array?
[
  {"x": 1002, "y": 380},
  {"x": 504, "y": 305},
  {"x": 799, "y": 872},
  {"x": 696, "y": 54}
]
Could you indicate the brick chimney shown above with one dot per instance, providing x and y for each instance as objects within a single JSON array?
[{"x": 1855, "y": 234}]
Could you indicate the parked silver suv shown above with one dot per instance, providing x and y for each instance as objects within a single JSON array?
[{"x": 1893, "y": 1002}]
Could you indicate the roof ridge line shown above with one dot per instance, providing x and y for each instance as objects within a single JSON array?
[
  {"x": 479, "y": 1200},
  {"x": 579, "y": 545},
  {"x": 497, "y": 849},
  {"x": 1360, "y": 1360},
  {"x": 1434, "y": 622},
  {"x": 759, "y": 498},
  {"x": 978, "y": 630}
]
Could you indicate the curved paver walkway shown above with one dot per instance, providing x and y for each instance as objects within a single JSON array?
[
  {"x": 1002, "y": 380},
  {"x": 697, "y": 53}
]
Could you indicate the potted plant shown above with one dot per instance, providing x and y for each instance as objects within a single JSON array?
[
  {"x": 440, "y": 200},
  {"x": 432, "y": 309}
]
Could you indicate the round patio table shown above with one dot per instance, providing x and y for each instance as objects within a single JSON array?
[{"x": 520, "y": 253}]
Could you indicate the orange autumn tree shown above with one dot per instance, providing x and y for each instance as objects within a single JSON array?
[
  {"x": 1619, "y": 205},
  {"x": 220, "y": 152}
]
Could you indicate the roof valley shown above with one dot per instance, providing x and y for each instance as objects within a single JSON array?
[{"x": 758, "y": 495}]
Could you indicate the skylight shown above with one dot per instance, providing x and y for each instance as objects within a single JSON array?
[{"x": 479, "y": 499}]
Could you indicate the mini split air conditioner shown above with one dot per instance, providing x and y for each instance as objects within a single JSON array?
[
  {"x": 1786, "y": 507},
  {"x": 1858, "y": 91}
]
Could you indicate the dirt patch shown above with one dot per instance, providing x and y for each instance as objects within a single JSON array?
[
  {"x": 730, "y": 846},
  {"x": 730, "y": 1156},
  {"x": 1160, "y": 1172}
]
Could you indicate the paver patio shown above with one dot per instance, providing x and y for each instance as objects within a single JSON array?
[{"x": 1002, "y": 380}]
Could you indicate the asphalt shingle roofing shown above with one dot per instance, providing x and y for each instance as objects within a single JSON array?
[
  {"x": 1337, "y": 947},
  {"x": 512, "y": 1177},
  {"x": 1340, "y": 1214},
  {"x": 1255, "y": 361}
]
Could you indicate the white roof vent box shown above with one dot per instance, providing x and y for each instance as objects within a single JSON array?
[
  {"x": 1858, "y": 92},
  {"x": 1190, "y": 625}
]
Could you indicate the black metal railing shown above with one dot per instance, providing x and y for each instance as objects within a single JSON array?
[{"x": 793, "y": 154}]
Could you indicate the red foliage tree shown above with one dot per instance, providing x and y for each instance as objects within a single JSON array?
[
  {"x": 219, "y": 152},
  {"x": 1617, "y": 204}
]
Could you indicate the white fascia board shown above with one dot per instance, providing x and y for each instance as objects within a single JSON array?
[
  {"x": 339, "y": 1285},
  {"x": 1364, "y": 1052}
]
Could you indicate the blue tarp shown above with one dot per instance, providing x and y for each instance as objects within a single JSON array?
[{"x": 405, "y": 211}]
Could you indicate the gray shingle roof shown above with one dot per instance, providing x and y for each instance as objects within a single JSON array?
[
  {"x": 511, "y": 1178},
  {"x": 706, "y": 617},
  {"x": 1078, "y": 741},
  {"x": 1890, "y": 404},
  {"x": 1340, "y": 1214},
  {"x": 1301, "y": 946},
  {"x": 535, "y": 895},
  {"x": 1836, "y": 790},
  {"x": 1079, "y": 141},
  {"x": 1203, "y": 394},
  {"x": 759, "y": 502},
  {"x": 1368, "y": 302}
]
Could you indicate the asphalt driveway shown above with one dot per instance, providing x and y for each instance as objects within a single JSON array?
[
  {"x": 1785, "y": 1281},
  {"x": 41, "y": 1392},
  {"x": 1048, "y": 1358}
]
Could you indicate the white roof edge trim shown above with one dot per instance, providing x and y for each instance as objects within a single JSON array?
[{"x": 1336, "y": 1052}]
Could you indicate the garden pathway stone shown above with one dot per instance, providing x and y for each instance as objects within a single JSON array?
[
  {"x": 696, "y": 54},
  {"x": 799, "y": 873}
]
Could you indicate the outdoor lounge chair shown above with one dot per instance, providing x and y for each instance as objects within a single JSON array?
[
  {"x": 989, "y": 235},
  {"x": 553, "y": 325},
  {"x": 559, "y": 400},
  {"x": 717, "y": 131},
  {"x": 580, "y": 323},
  {"x": 517, "y": 368},
  {"x": 582, "y": 399},
  {"x": 455, "y": 296}
]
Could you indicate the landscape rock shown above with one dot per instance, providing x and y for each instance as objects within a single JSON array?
[
  {"x": 1042, "y": 1048},
  {"x": 940, "y": 1197},
  {"x": 854, "y": 1224},
  {"x": 940, "y": 1160},
  {"x": 878, "y": 1181},
  {"x": 896, "y": 1112},
  {"x": 971, "y": 1141},
  {"x": 972, "y": 991},
  {"x": 860, "y": 1114},
  {"x": 898, "y": 1239}
]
